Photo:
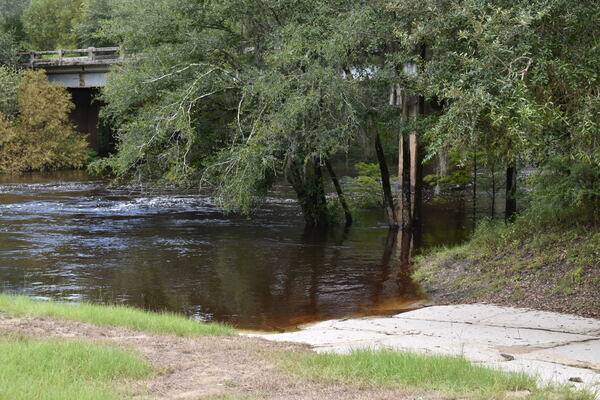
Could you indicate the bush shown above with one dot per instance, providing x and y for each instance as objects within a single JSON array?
[
  {"x": 566, "y": 192},
  {"x": 9, "y": 86},
  {"x": 365, "y": 190},
  {"x": 9, "y": 49},
  {"x": 40, "y": 137}
]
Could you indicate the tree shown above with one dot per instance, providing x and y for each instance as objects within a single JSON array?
[
  {"x": 9, "y": 50},
  {"x": 11, "y": 31},
  {"x": 40, "y": 137},
  {"x": 11, "y": 12},
  {"x": 516, "y": 79},
  {"x": 95, "y": 13},
  {"x": 51, "y": 24},
  {"x": 230, "y": 94},
  {"x": 10, "y": 79}
]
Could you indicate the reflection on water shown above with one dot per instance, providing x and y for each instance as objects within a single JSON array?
[{"x": 70, "y": 237}]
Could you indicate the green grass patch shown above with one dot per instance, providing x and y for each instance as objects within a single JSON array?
[
  {"x": 58, "y": 370},
  {"x": 447, "y": 375},
  {"x": 112, "y": 315}
]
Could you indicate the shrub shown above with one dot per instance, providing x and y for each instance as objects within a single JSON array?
[
  {"x": 364, "y": 191},
  {"x": 566, "y": 192},
  {"x": 41, "y": 136}
]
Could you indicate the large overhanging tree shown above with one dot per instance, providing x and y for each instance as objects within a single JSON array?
[{"x": 234, "y": 93}]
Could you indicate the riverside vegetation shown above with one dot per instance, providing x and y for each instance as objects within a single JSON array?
[
  {"x": 233, "y": 95},
  {"x": 35, "y": 132}
]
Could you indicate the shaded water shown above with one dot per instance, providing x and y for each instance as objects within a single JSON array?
[{"x": 67, "y": 236}]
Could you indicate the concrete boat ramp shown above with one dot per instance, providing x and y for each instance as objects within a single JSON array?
[{"x": 557, "y": 348}]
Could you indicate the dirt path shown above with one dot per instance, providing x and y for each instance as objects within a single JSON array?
[{"x": 206, "y": 367}]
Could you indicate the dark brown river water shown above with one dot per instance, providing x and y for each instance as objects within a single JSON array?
[{"x": 70, "y": 237}]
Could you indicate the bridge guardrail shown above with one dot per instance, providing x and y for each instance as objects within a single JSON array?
[{"x": 66, "y": 57}]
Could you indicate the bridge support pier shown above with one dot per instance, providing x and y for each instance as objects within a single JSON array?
[{"x": 85, "y": 117}]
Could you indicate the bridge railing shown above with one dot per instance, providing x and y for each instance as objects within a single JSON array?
[{"x": 65, "y": 57}]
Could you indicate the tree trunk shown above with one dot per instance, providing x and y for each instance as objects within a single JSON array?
[
  {"x": 308, "y": 184},
  {"x": 510, "y": 209},
  {"x": 388, "y": 198},
  {"x": 416, "y": 175},
  {"x": 340, "y": 193},
  {"x": 474, "y": 187},
  {"x": 442, "y": 169},
  {"x": 404, "y": 176},
  {"x": 493, "y": 190},
  {"x": 409, "y": 167}
]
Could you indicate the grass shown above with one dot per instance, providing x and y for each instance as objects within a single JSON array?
[
  {"x": 512, "y": 261},
  {"x": 58, "y": 370},
  {"x": 450, "y": 376},
  {"x": 111, "y": 315}
]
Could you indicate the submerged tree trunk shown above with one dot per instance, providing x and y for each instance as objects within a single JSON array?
[
  {"x": 474, "y": 187},
  {"x": 442, "y": 169},
  {"x": 307, "y": 181},
  {"x": 404, "y": 176},
  {"x": 493, "y": 190},
  {"x": 388, "y": 198},
  {"x": 510, "y": 209},
  {"x": 416, "y": 166},
  {"x": 340, "y": 193},
  {"x": 409, "y": 167}
]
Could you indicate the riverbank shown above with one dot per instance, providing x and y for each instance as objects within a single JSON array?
[
  {"x": 551, "y": 269},
  {"x": 210, "y": 364}
]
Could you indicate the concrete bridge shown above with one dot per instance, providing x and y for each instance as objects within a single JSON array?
[{"x": 82, "y": 72}]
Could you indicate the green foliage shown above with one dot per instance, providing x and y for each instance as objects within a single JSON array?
[
  {"x": 517, "y": 80},
  {"x": 50, "y": 24},
  {"x": 9, "y": 85},
  {"x": 40, "y": 137},
  {"x": 9, "y": 49},
  {"x": 566, "y": 192},
  {"x": 461, "y": 173},
  {"x": 56, "y": 370},
  {"x": 233, "y": 94},
  {"x": 164, "y": 323},
  {"x": 171, "y": 109},
  {"x": 365, "y": 190},
  {"x": 11, "y": 12},
  {"x": 95, "y": 13},
  {"x": 229, "y": 94}
]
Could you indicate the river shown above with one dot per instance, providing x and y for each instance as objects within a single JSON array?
[{"x": 71, "y": 237}]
